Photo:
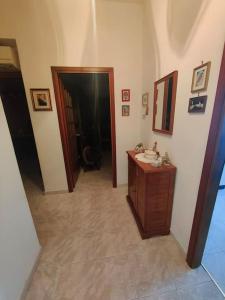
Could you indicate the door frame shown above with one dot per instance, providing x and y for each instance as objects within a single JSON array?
[
  {"x": 56, "y": 71},
  {"x": 211, "y": 174}
]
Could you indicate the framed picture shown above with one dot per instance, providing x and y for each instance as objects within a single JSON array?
[
  {"x": 197, "y": 104},
  {"x": 145, "y": 99},
  {"x": 200, "y": 78},
  {"x": 125, "y": 110},
  {"x": 41, "y": 99},
  {"x": 145, "y": 104},
  {"x": 126, "y": 95}
]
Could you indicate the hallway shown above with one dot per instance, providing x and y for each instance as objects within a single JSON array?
[{"x": 92, "y": 250}]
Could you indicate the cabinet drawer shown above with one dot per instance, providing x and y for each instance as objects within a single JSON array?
[{"x": 157, "y": 200}]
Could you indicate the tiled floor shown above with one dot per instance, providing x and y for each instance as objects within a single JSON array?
[
  {"x": 214, "y": 254},
  {"x": 93, "y": 251}
]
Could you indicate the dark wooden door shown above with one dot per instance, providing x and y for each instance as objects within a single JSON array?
[{"x": 71, "y": 134}]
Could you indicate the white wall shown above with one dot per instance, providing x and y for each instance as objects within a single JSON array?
[
  {"x": 77, "y": 33},
  {"x": 179, "y": 36},
  {"x": 19, "y": 246}
]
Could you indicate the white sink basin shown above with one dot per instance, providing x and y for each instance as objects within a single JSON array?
[{"x": 141, "y": 157}]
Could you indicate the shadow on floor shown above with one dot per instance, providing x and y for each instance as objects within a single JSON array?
[{"x": 214, "y": 254}]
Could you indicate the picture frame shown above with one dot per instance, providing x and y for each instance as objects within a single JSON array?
[
  {"x": 125, "y": 110},
  {"x": 41, "y": 99},
  {"x": 145, "y": 99},
  {"x": 200, "y": 77},
  {"x": 197, "y": 104},
  {"x": 125, "y": 95}
]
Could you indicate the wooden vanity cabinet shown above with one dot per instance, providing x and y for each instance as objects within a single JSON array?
[{"x": 150, "y": 196}]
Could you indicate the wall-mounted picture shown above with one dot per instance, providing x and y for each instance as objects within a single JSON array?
[
  {"x": 145, "y": 104},
  {"x": 125, "y": 110},
  {"x": 41, "y": 99},
  {"x": 126, "y": 95},
  {"x": 197, "y": 104},
  {"x": 145, "y": 99},
  {"x": 200, "y": 78}
]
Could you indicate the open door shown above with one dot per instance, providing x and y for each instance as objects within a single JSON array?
[{"x": 70, "y": 132}]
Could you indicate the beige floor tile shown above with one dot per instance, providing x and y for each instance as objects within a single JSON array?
[
  {"x": 169, "y": 295},
  {"x": 44, "y": 282},
  {"x": 92, "y": 249},
  {"x": 215, "y": 265},
  {"x": 204, "y": 291},
  {"x": 100, "y": 279}
]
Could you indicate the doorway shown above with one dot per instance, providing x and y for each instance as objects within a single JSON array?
[
  {"x": 211, "y": 175},
  {"x": 86, "y": 112},
  {"x": 16, "y": 110}
]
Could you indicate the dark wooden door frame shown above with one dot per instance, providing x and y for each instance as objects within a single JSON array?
[
  {"x": 211, "y": 174},
  {"x": 56, "y": 71}
]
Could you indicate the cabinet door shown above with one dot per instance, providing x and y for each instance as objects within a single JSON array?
[
  {"x": 132, "y": 181},
  {"x": 158, "y": 200},
  {"x": 141, "y": 196}
]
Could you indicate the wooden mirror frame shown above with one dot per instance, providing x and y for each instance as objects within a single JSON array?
[{"x": 173, "y": 102}]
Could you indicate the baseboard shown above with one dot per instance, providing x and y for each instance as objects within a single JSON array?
[
  {"x": 122, "y": 184},
  {"x": 28, "y": 281},
  {"x": 56, "y": 192}
]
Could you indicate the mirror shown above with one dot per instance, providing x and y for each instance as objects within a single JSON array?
[{"x": 164, "y": 103}]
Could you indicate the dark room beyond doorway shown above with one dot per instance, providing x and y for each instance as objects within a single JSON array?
[{"x": 87, "y": 107}]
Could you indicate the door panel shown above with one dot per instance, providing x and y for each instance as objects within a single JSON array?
[{"x": 71, "y": 135}]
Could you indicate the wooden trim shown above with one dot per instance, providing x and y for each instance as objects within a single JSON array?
[
  {"x": 56, "y": 71},
  {"x": 70, "y": 70},
  {"x": 113, "y": 125},
  {"x": 166, "y": 85},
  {"x": 211, "y": 174}
]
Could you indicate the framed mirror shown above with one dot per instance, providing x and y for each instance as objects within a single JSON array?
[{"x": 164, "y": 103}]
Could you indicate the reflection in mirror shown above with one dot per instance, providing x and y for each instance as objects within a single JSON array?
[
  {"x": 160, "y": 99},
  {"x": 164, "y": 103}
]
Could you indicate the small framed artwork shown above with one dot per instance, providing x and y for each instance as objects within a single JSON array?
[
  {"x": 200, "y": 78},
  {"x": 41, "y": 99},
  {"x": 197, "y": 104},
  {"x": 125, "y": 110},
  {"x": 145, "y": 104},
  {"x": 126, "y": 95},
  {"x": 145, "y": 99}
]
